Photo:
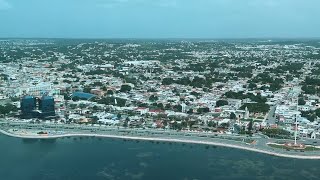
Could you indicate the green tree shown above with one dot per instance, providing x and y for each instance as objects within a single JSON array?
[
  {"x": 190, "y": 111},
  {"x": 252, "y": 85},
  {"x": 125, "y": 88},
  {"x": 256, "y": 107},
  {"x": 72, "y": 106},
  {"x": 250, "y": 126},
  {"x": 167, "y": 81},
  {"x": 233, "y": 116},
  {"x": 301, "y": 101},
  {"x": 153, "y": 98},
  {"x": 87, "y": 89},
  {"x": 109, "y": 92},
  {"x": 212, "y": 124},
  {"x": 75, "y": 98},
  {"x": 220, "y": 103}
]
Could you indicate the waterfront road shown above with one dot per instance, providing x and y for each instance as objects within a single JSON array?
[{"x": 256, "y": 143}]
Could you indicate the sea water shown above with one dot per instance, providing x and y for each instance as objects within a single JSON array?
[{"x": 89, "y": 158}]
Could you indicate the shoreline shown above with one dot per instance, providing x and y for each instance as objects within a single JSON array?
[{"x": 175, "y": 140}]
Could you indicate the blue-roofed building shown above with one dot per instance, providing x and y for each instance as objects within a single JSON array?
[{"x": 82, "y": 95}]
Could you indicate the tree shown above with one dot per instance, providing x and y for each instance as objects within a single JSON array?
[
  {"x": 250, "y": 126},
  {"x": 168, "y": 106},
  {"x": 301, "y": 101},
  {"x": 203, "y": 110},
  {"x": 81, "y": 106},
  {"x": 190, "y": 111},
  {"x": 233, "y": 116},
  {"x": 66, "y": 96},
  {"x": 72, "y": 106},
  {"x": 196, "y": 94},
  {"x": 94, "y": 119},
  {"x": 311, "y": 115},
  {"x": 309, "y": 89},
  {"x": 8, "y": 108},
  {"x": 220, "y": 103},
  {"x": 109, "y": 92},
  {"x": 276, "y": 132},
  {"x": 252, "y": 85},
  {"x": 153, "y": 98},
  {"x": 75, "y": 98},
  {"x": 178, "y": 108},
  {"x": 225, "y": 125},
  {"x": 212, "y": 124},
  {"x": 167, "y": 81},
  {"x": 87, "y": 89},
  {"x": 317, "y": 112},
  {"x": 125, "y": 88},
  {"x": 160, "y": 106},
  {"x": 104, "y": 88},
  {"x": 95, "y": 108},
  {"x": 111, "y": 101},
  {"x": 256, "y": 107}
]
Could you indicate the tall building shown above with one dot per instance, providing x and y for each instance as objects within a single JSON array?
[
  {"x": 28, "y": 105},
  {"x": 46, "y": 106}
]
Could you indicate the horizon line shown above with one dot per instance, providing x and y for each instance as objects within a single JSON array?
[{"x": 171, "y": 38}]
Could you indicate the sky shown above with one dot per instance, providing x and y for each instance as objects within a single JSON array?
[{"x": 159, "y": 18}]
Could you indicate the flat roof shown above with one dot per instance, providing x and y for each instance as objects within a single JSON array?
[
  {"x": 83, "y": 95},
  {"x": 28, "y": 97}
]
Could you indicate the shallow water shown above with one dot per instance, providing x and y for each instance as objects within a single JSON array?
[{"x": 102, "y": 158}]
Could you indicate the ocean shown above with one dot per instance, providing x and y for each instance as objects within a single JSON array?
[{"x": 89, "y": 158}]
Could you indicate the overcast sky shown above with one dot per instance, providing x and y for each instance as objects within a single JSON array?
[{"x": 160, "y": 18}]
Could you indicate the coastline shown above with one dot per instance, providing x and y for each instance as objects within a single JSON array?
[{"x": 175, "y": 140}]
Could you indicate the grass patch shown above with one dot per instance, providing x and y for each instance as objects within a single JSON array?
[{"x": 308, "y": 148}]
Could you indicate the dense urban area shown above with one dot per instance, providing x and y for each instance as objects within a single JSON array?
[{"x": 269, "y": 87}]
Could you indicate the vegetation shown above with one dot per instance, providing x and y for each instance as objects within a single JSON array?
[
  {"x": 256, "y": 107},
  {"x": 220, "y": 103},
  {"x": 277, "y": 133},
  {"x": 240, "y": 95},
  {"x": 301, "y": 101},
  {"x": 125, "y": 88},
  {"x": 112, "y": 101},
  {"x": 6, "y": 109}
]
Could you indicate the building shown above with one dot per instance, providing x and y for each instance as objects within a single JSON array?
[
  {"x": 28, "y": 105},
  {"x": 82, "y": 95},
  {"x": 32, "y": 107},
  {"x": 46, "y": 106}
]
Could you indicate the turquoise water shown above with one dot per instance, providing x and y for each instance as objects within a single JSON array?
[{"x": 101, "y": 158}]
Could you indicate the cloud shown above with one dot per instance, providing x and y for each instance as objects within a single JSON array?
[{"x": 4, "y": 5}]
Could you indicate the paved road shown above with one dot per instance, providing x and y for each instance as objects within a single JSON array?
[
  {"x": 260, "y": 140},
  {"x": 271, "y": 119}
]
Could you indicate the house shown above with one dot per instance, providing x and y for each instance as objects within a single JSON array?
[
  {"x": 155, "y": 112},
  {"x": 142, "y": 110},
  {"x": 304, "y": 108},
  {"x": 97, "y": 92}
]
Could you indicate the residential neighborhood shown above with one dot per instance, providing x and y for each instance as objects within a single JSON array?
[{"x": 205, "y": 86}]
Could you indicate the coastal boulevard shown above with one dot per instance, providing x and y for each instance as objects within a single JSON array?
[{"x": 256, "y": 143}]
